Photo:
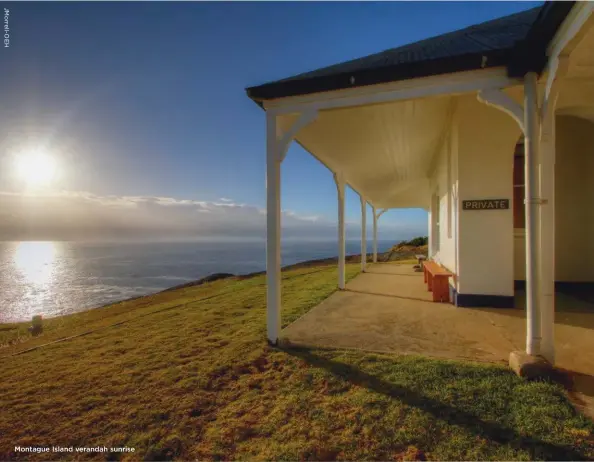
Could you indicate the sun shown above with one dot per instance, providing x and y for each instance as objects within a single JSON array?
[{"x": 36, "y": 168}]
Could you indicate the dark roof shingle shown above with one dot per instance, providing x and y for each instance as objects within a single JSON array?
[
  {"x": 488, "y": 44},
  {"x": 496, "y": 34}
]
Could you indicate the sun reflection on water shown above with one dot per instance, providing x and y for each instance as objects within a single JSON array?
[{"x": 35, "y": 262}]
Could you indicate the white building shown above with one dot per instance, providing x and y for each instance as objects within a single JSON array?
[{"x": 490, "y": 129}]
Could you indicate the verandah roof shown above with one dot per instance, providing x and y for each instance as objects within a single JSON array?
[{"x": 386, "y": 152}]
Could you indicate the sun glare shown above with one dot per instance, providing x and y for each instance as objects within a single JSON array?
[
  {"x": 35, "y": 261},
  {"x": 36, "y": 169}
]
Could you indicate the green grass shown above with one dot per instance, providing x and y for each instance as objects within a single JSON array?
[{"x": 190, "y": 376}]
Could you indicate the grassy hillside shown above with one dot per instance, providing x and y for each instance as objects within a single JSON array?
[{"x": 187, "y": 374}]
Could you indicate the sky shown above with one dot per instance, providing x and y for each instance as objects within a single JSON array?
[{"x": 143, "y": 106}]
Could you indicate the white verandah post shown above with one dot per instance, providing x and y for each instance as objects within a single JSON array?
[
  {"x": 547, "y": 214},
  {"x": 532, "y": 204},
  {"x": 528, "y": 118},
  {"x": 430, "y": 230},
  {"x": 374, "y": 234},
  {"x": 273, "y": 231},
  {"x": 339, "y": 180},
  {"x": 277, "y": 145},
  {"x": 363, "y": 233},
  {"x": 376, "y": 217}
]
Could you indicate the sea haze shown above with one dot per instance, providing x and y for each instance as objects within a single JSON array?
[{"x": 54, "y": 278}]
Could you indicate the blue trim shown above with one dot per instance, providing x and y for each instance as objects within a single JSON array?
[
  {"x": 503, "y": 301},
  {"x": 478, "y": 300}
]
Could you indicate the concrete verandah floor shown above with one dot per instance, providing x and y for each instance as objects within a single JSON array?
[{"x": 389, "y": 309}]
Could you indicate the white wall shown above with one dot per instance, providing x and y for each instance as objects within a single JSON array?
[
  {"x": 574, "y": 200},
  {"x": 482, "y": 248},
  {"x": 486, "y": 142},
  {"x": 574, "y": 204}
]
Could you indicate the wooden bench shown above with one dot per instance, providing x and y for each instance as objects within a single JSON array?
[{"x": 436, "y": 278}]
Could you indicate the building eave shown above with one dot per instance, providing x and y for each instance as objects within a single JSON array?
[{"x": 367, "y": 77}]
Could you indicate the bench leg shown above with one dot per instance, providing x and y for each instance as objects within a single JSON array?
[
  {"x": 436, "y": 290},
  {"x": 424, "y": 275},
  {"x": 441, "y": 291},
  {"x": 429, "y": 281},
  {"x": 436, "y": 297}
]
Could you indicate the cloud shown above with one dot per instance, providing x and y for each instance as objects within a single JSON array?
[
  {"x": 290, "y": 213},
  {"x": 83, "y": 215}
]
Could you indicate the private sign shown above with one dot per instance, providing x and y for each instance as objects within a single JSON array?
[{"x": 486, "y": 204}]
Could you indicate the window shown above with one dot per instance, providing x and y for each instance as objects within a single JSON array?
[{"x": 519, "y": 187}]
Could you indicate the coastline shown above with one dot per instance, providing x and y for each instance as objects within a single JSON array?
[
  {"x": 304, "y": 264},
  {"x": 397, "y": 252}
]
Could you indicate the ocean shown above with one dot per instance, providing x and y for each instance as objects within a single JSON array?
[{"x": 55, "y": 278}]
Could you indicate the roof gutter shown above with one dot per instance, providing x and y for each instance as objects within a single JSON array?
[{"x": 447, "y": 65}]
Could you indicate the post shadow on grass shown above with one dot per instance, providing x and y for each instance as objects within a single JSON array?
[{"x": 500, "y": 434}]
